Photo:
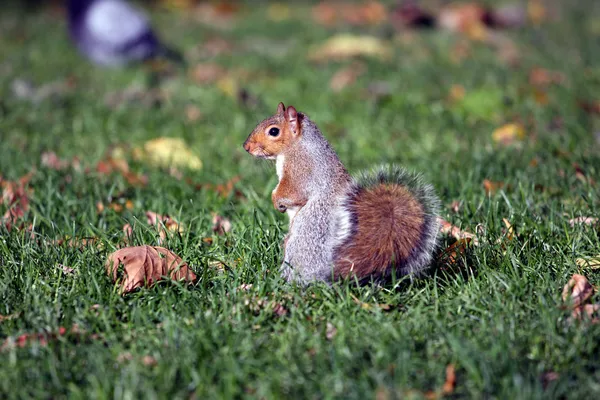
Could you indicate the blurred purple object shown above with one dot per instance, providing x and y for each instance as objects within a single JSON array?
[{"x": 113, "y": 33}]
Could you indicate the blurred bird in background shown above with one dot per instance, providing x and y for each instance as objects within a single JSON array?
[{"x": 113, "y": 33}]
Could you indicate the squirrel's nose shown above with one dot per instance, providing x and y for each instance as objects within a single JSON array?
[{"x": 247, "y": 146}]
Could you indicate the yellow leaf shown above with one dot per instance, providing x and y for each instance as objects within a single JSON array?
[
  {"x": 348, "y": 46},
  {"x": 278, "y": 12},
  {"x": 168, "y": 152},
  {"x": 591, "y": 263},
  {"x": 508, "y": 134}
]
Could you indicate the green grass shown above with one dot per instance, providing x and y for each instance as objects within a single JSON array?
[{"x": 496, "y": 315}]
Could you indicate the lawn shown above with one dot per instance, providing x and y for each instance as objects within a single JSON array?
[{"x": 493, "y": 313}]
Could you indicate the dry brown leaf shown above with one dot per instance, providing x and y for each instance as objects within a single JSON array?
[
  {"x": 145, "y": 265},
  {"x": 536, "y": 11},
  {"x": 163, "y": 223},
  {"x": 448, "y": 229},
  {"x": 509, "y": 134},
  {"x": 15, "y": 195},
  {"x": 547, "y": 377},
  {"x": 192, "y": 113},
  {"x": 330, "y": 331},
  {"x": 217, "y": 14},
  {"x": 455, "y": 251},
  {"x": 591, "y": 263},
  {"x": 450, "y": 382},
  {"x": 466, "y": 18},
  {"x": 586, "y": 312},
  {"x": 346, "y": 76},
  {"x": 8, "y": 317},
  {"x": 510, "y": 232},
  {"x": 330, "y": 13},
  {"x": 456, "y": 93},
  {"x": 583, "y": 221},
  {"x": 112, "y": 165},
  {"x": 492, "y": 187},
  {"x": 344, "y": 46},
  {"x": 577, "y": 291},
  {"x": 67, "y": 270},
  {"x": 42, "y": 339},
  {"x": 149, "y": 361},
  {"x": 220, "y": 225},
  {"x": 455, "y": 206},
  {"x": 50, "y": 159},
  {"x": 542, "y": 77}
]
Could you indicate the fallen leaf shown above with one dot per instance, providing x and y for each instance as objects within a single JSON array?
[
  {"x": 450, "y": 382},
  {"x": 330, "y": 331},
  {"x": 492, "y": 187},
  {"x": 145, "y": 265},
  {"x": 542, "y": 77},
  {"x": 220, "y": 225},
  {"x": 111, "y": 165},
  {"x": 448, "y": 229},
  {"x": 163, "y": 223},
  {"x": 547, "y": 377},
  {"x": 8, "y": 317},
  {"x": 591, "y": 263},
  {"x": 279, "y": 309},
  {"x": 330, "y": 13},
  {"x": 50, "y": 159},
  {"x": 166, "y": 152},
  {"x": 149, "y": 361},
  {"x": 348, "y": 46},
  {"x": 577, "y": 291},
  {"x": 123, "y": 357},
  {"x": 456, "y": 93},
  {"x": 15, "y": 195},
  {"x": 586, "y": 312},
  {"x": 128, "y": 231},
  {"x": 278, "y": 12},
  {"x": 192, "y": 113},
  {"x": 536, "y": 11},
  {"x": 42, "y": 339},
  {"x": 581, "y": 175},
  {"x": 590, "y": 107},
  {"x": 455, "y": 251},
  {"x": 346, "y": 76},
  {"x": 583, "y": 221},
  {"x": 67, "y": 270},
  {"x": 455, "y": 206},
  {"x": 217, "y": 14},
  {"x": 465, "y": 18},
  {"x": 509, "y": 134},
  {"x": 510, "y": 232}
]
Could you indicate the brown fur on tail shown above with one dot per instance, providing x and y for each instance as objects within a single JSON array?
[
  {"x": 393, "y": 227},
  {"x": 389, "y": 223}
]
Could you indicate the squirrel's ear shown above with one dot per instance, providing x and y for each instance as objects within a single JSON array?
[
  {"x": 291, "y": 115},
  {"x": 280, "y": 108}
]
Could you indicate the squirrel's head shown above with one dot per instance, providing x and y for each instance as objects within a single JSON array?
[{"x": 275, "y": 134}]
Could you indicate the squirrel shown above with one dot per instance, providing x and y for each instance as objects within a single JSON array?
[{"x": 369, "y": 227}]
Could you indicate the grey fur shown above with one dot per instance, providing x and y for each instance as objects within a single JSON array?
[{"x": 324, "y": 222}]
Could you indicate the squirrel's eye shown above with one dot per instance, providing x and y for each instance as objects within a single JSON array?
[{"x": 274, "y": 131}]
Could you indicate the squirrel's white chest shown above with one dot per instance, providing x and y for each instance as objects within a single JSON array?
[{"x": 279, "y": 166}]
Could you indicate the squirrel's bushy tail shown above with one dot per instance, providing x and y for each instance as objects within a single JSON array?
[{"x": 394, "y": 226}]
